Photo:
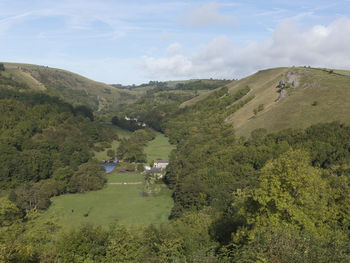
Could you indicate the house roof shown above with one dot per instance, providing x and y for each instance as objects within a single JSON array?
[{"x": 155, "y": 171}]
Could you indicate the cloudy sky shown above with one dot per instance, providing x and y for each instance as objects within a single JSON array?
[{"x": 136, "y": 41}]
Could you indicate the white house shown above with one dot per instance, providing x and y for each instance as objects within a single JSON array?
[{"x": 161, "y": 164}]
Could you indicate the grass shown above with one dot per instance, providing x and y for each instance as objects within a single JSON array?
[
  {"x": 71, "y": 87},
  {"x": 114, "y": 177},
  {"x": 330, "y": 91},
  {"x": 122, "y": 203},
  {"x": 159, "y": 148},
  {"x": 344, "y": 72}
]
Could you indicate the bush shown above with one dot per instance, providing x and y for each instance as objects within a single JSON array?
[
  {"x": 90, "y": 176},
  {"x": 111, "y": 153},
  {"x": 140, "y": 167}
]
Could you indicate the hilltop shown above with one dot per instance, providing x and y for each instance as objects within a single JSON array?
[
  {"x": 309, "y": 96},
  {"x": 69, "y": 86}
]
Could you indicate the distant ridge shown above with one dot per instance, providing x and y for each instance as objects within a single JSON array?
[{"x": 71, "y": 87}]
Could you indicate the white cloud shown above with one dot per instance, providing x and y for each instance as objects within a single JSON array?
[
  {"x": 177, "y": 65},
  {"x": 209, "y": 15},
  {"x": 173, "y": 48},
  {"x": 319, "y": 46}
]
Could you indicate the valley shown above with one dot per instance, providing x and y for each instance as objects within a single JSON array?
[{"x": 264, "y": 156}]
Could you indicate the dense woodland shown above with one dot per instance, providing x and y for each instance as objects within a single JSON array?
[
  {"x": 45, "y": 148},
  {"x": 281, "y": 197}
]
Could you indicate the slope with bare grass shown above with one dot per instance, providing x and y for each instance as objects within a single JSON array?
[
  {"x": 310, "y": 96},
  {"x": 71, "y": 87}
]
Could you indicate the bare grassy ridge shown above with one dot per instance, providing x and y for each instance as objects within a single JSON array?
[
  {"x": 319, "y": 96},
  {"x": 72, "y": 87}
]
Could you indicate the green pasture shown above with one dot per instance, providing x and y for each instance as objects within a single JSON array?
[
  {"x": 123, "y": 203},
  {"x": 159, "y": 148}
]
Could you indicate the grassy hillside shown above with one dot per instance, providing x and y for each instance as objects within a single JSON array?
[
  {"x": 318, "y": 95},
  {"x": 71, "y": 87}
]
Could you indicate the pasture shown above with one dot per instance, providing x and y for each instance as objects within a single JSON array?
[{"x": 124, "y": 203}]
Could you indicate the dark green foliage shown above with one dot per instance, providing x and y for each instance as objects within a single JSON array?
[
  {"x": 130, "y": 125},
  {"x": 90, "y": 176},
  {"x": 82, "y": 245},
  {"x": 9, "y": 212},
  {"x": 2, "y": 68},
  {"x": 111, "y": 153},
  {"x": 179, "y": 241},
  {"x": 39, "y": 134},
  {"x": 285, "y": 245},
  {"x": 132, "y": 149},
  {"x": 84, "y": 111},
  {"x": 162, "y": 101}
]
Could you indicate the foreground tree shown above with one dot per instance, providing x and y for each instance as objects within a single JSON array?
[{"x": 291, "y": 193}]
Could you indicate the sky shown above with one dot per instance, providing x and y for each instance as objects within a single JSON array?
[{"x": 135, "y": 41}]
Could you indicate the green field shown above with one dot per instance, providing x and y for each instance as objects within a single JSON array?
[
  {"x": 159, "y": 148},
  {"x": 124, "y": 203}
]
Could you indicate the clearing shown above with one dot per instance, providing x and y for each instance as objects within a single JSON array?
[
  {"x": 124, "y": 203},
  {"x": 158, "y": 148}
]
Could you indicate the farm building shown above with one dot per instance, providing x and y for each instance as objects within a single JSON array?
[{"x": 161, "y": 164}]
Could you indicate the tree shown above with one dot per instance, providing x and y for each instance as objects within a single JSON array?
[
  {"x": 111, "y": 153},
  {"x": 86, "y": 244},
  {"x": 9, "y": 212},
  {"x": 2, "y": 67},
  {"x": 290, "y": 192},
  {"x": 90, "y": 176}
]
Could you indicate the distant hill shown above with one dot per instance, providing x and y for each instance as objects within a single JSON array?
[
  {"x": 309, "y": 96},
  {"x": 69, "y": 86}
]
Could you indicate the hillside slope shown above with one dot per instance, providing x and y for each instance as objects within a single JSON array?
[
  {"x": 309, "y": 96},
  {"x": 72, "y": 87},
  {"x": 317, "y": 96}
]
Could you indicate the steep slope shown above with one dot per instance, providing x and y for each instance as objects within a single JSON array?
[
  {"x": 72, "y": 87},
  {"x": 308, "y": 96},
  {"x": 317, "y": 95}
]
